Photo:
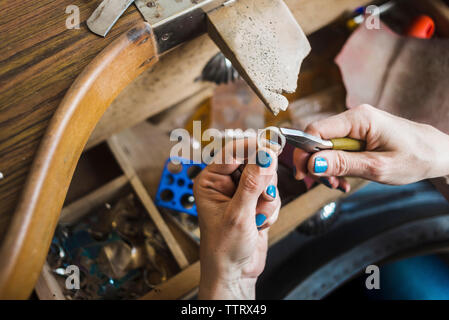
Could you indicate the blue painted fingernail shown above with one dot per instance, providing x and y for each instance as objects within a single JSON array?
[
  {"x": 260, "y": 219},
  {"x": 326, "y": 182},
  {"x": 263, "y": 159},
  {"x": 273, "y": 142},
  {"x": 320, "y": 165},
  {"x": 271, "y": 191}
]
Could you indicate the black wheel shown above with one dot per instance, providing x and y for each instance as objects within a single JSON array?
[{"x": 377, "y": 224}]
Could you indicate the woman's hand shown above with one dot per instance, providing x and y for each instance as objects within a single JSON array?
[
  {"x": 398, "y": 151},
  {"x": 233, "y": 222}
]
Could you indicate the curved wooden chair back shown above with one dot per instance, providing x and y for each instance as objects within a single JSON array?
[{"x": 29, "y": 236}]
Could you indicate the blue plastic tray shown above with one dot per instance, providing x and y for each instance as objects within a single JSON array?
[{"x": 176, "y": 186}]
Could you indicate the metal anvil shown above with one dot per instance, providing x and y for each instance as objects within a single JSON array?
[{"x": 261, "y": 37}]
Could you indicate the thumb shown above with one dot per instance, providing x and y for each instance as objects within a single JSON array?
[
  {"x": 253, "y": 182},
  {"x": 338, "y": 163}
]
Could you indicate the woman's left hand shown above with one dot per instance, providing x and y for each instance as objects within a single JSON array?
[{"x": 234, "y": 221}]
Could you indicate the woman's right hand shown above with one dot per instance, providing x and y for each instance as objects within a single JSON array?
[{"x": 398, "y": 151}]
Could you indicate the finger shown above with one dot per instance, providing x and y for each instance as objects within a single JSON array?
[
  {"x": 342, "y": 125},
  {"x": 344, "y": 185},
  {"x": 264, "y": 211},
  {"x": 220, "y": 183},
  {"x": 235, "y": 176},
  {"x": 253, "y": 182},
  {"x": 354, "y": 123},
  {"x": 300, "y": 159},
  {"x": 309, "y": 181},
  {"x": 341, "y": 163},
  {"x": 330, "y": 182},
  {"x": 267, "y": 213},
  {"x": 232, "y": 155},
  {"x": 339, "y": 183},
  {"x": 271, "y": 191}
]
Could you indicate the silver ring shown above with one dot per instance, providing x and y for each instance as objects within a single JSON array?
[{"x": 261, "y": 142}]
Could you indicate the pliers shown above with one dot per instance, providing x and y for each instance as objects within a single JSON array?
[{"x": 311, "y": 144}]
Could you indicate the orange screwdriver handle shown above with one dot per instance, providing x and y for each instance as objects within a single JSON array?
[{"x": 423, "y": 27}]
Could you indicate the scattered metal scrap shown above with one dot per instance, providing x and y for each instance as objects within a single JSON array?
[{"x": 119, "y": 252}]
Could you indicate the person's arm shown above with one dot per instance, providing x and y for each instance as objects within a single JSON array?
[
  {"x": 214, "y": 288},
  {"x": 234, "y": 221},
  {"x": 398, "y": 151}
]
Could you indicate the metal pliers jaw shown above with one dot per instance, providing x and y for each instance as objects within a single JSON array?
[{"x": 305, "y": 141}]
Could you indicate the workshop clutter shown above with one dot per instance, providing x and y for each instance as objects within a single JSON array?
[{"x": 118, "y": 250}]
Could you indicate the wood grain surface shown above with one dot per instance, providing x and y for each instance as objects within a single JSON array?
[{"x": 39, "y": 60}]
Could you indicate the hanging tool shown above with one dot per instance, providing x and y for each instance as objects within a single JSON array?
[
  {"x": 106, "y": 15},
  {"x": 219, "y": 70},
  {"x": 173, "y": 22}
]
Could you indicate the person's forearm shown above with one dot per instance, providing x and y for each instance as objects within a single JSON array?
[
  {"x": 445, "y": 165},
  {"x": 215, "y": 289},
  {"x": 434, "y": 152},
  {"x": 221, "y": 280}
]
